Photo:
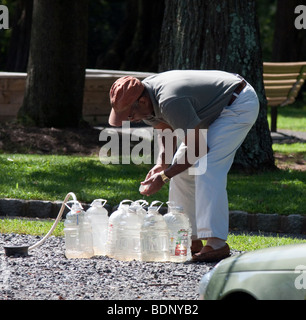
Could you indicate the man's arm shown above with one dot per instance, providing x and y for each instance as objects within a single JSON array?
[
  {"x": 163, "y": 154},
  {"x": 194, "y": 146}
]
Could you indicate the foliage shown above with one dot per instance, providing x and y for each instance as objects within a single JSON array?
[
  {"x": 107, "y": 16},
  {"x": 105, "y": 19},
  {"x": 266, "y": 10},
  {"x": 6, "y": 34}
]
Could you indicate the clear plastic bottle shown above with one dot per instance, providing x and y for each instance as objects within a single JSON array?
[
  {"x": 128, "y": 236},
  {"x": 113, "y": 225},
  {"x": 140, "y": 207},
  {"x": 78, "y": 233},
  {"x": 179, "y": 233},
  {"x": 143, "y": 188},
  {"x": 98, "y": 217},
  {"x": 154, "y": 236}
]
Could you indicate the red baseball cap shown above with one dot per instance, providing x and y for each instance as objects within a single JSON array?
[{"x": 123, "y": 93}]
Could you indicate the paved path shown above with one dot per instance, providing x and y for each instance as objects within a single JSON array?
[
  {"x": 288, "y": 136},
  {"x": 278, "y": 137}
]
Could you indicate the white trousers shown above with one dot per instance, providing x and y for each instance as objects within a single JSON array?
[{"x": 204, "y": 196}]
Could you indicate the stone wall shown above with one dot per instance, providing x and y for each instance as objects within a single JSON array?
[
  {"x": 96, "y": 106},
  {"x": 238, "y": 220}
]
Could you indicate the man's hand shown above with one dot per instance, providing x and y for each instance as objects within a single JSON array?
[
  {"x": 153, "y": 184},
  {"x": 156, "y": 169}
]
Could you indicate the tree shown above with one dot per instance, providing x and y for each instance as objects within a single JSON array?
[
  {"x": 136, "y": 46},
  {"x": 288, "y": 48},
  {"x": 224, "y": 35},
  {"x": 292, "y": 48},
  {"x": 56, "y": 68}
]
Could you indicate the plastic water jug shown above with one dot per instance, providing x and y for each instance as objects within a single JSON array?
[
  {"x": 98, "y": 216},
  {"x": 179, "y": 233},
  {"x": 128, "y": 235},
  {"x": 78, "y": 233},
  {"x": 140, "y": 207},
  {"x": 154, "y": 236},
  {"x": 113, "y": 225}
]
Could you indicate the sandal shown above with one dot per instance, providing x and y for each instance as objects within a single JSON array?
[{"x": 213, "y": 255}]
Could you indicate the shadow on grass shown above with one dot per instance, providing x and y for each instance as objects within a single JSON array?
[{"x": 48, "y": 177}]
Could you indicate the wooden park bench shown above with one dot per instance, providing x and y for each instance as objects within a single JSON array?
[{"x": 282, "y": 81}]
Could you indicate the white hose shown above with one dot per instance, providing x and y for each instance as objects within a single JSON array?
[{"x": 70, "y": 194}]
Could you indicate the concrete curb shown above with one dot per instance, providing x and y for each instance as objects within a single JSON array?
[
  {"x": 276, "y": 223},
  {"x": 238, "y": 220}
]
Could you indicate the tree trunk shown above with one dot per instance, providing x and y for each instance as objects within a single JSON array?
[
  {"x": 224, "y": 35},
  {"x": 56, "y": 68}
]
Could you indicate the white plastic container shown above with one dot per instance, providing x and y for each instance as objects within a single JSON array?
[
  {"x": 179, "y": 233},
  {"x": 143, "y": 188},
  {"x": 128, "y": 234},
  {"x": 140, "y": 207},
  {"x": 98, "y": 217},
  {"x": 154, "y": 236},
  {"x": 78, "y": 233},
  {"x": 113, "y": 225}
]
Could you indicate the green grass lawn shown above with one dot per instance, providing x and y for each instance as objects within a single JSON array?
[
  {"x": 52, "y": 177},
  {"x": 241, "y": 242},
  {"x": 291, "y": 117},
  {"x": 290, "y": 148},
  {"x": 29, "y": 226},
  {"x": 245, "y": 242},
  {"x": 282, "y": 192}
]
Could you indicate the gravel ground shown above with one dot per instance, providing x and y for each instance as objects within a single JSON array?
[{"x": 47, "y": 275}]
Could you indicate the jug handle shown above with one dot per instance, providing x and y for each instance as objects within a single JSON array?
[
  {"x": 142, "y": 202},
  {"x": 103, "y": 202},
  {"x": 126, "y": 200},
  {"x": 73, "y": 201},
  {"x": 170, "y": 204},
  {"x": 155, "y": 202}
]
